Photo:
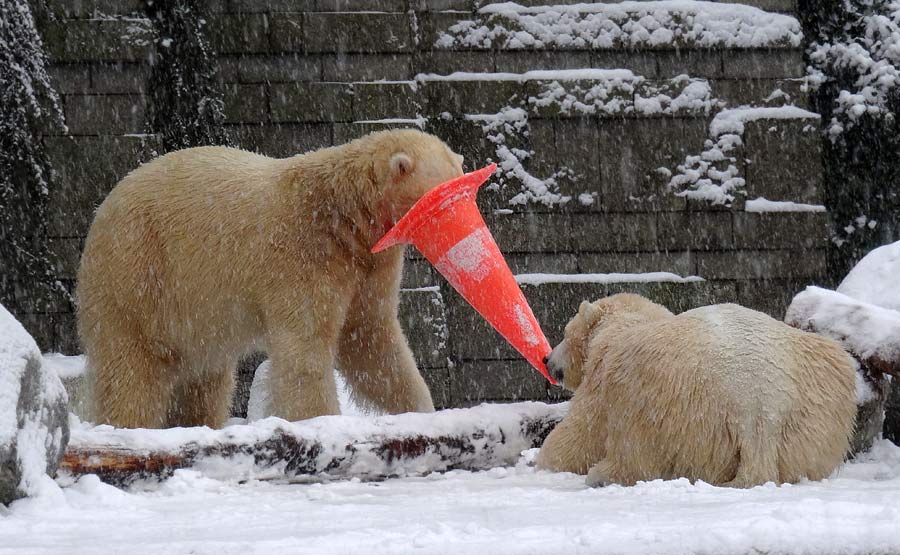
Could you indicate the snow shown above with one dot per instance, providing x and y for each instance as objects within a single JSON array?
[
  {"x": 874, "y": 278},
  {"x": 864, "y": 313},
  {"x": 714, "y": 175},
  {"x": 764, "y": 205},
  {"x": 649, "y": 277},
  {"x": 733, "y": 120},
  {"x": 863, "y": 328},
  {"x": 865, "y": 56},
  {"x": 587, "y": 91},
  {"x": 514, "y": 510},
  {"x": 623, "y": 25}
]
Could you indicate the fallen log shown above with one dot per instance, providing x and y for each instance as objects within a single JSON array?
[{"x": 320, "y": 449}]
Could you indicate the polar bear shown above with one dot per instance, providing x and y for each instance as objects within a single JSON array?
[
  {"x": 208, "y": 253},
  {"x": 721, "y": 393}
]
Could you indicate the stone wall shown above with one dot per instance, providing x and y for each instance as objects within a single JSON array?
[{"x": 299, "y": 75}]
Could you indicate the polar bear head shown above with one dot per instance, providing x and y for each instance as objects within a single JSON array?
[
  {"x": 407, "y": 163},
  {"x": 580, "y": 351}
]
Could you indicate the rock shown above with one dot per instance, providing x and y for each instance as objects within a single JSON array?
[
  {"x": 34, "y": 429},
  {"x": 873, "y": 389}
]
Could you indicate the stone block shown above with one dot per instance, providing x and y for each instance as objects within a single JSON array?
[
  {"x": 362, "y": 5},
  {"x": 530, "y": 232},
  {"x": 312, "y": 102},
  {"x": 70, "y": 78},
  {"x": 239, "y": 33},
  {"x": 569, "y": 149},
  {"x": 784, "y": 160},
  {"x": 471, "y": 97},
  {"x": 754, "y": 92},
  {"x": 373, "y": 101},
  {"x": 105, "y": 114},
  {"x": 284, "y": 68},
  {"x": 357, "y": 32},
  {"x": 423, "y": 319},
  {"x": 418, "y": 273},
  {"x": 438, "y": 382},
  {"x": 771, "y": 63},
  {"x": 632, "y": 151},
  {"x": 283, "y": 139},
  {"x": 257, "y": 6},
  {"x": 781, "y": 230},
  {"x": 678, "y": 297},
  {"x": 696, "y": 62},
  {"x": 79, "y": 9},
  {"x": 770, "y": 296},
  {"x": 346, "y": 132},
  {"x": 119, "y": 78},
  {"x": 287, "y": 32},
  {"x": 99, "y": 40},
  {"x": 445, "y": 62},
  {"x": 676, "y": 262},
  {"x": 432, "y": 24},
  {"x": 542, "y": 263},
  {"x": 613, "y": 232},
  {"x": 761, "y": 264},
  {"x": 472, "y": 338},
  {"x": 442, "y": 5},
  {"x": 246, "y": 103},
  {"x": 692, "y": 230},
  {"x": 348, "y": 68},
  {"x": 522, "y": 61},
  {"x": 640, "y": 62},
  {"x": 88, "y": 168},
  {"x": 473, "y": 382},
  {"x": 467, "y": 139}
]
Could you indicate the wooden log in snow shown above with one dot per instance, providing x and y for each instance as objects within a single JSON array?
[{"x": 326, "y": 448}]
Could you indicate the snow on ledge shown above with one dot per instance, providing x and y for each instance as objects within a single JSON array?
[
  {"x": 624, "y": 24},
  {"x": 649, "y": 277},
  {"x": 764, "y": 205},
  {"x": 586, "y": 74},
  {"x": 733, "y": 120}
]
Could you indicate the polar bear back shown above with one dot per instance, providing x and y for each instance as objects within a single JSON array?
[{"x": 727, "y": 390}]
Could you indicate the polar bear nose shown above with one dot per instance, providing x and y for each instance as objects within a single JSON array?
[{"x": 556, "y": 372}]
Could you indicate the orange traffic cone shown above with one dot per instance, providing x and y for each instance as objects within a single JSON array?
[{"x": 447, "y": 228}]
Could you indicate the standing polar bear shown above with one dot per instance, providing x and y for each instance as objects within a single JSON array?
[
  {"x": 722, "y": 394},
  {"x": 208, "y": 253}
]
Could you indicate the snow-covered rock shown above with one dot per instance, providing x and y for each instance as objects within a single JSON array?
[
  {"x": 863, "y": 315},
  {"x": 34, "y": 427}
]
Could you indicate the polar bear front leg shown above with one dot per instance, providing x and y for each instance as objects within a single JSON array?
[
  {"x": 301, "y": 378},
  {"x": 377, "y": 363}
]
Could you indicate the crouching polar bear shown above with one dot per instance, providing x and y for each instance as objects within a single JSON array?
[
  {"x": 208, "y": 253},
  {"x": 722, "y": 394}
]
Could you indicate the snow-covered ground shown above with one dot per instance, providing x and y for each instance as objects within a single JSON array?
[{"x": 502, "y": 511}]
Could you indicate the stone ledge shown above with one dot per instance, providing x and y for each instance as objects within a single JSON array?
[
  {"x": 310, "y": 102},
  {"x": 761, "y": 264},
  {"x": 105, "y": 114}
]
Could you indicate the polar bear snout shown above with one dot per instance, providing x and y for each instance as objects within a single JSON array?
[{"x": 557, "y": 361}]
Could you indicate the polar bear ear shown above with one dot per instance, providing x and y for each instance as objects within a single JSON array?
[
  {"x": 401, "y": 166},
  {"x": 588, "y": 310}
]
